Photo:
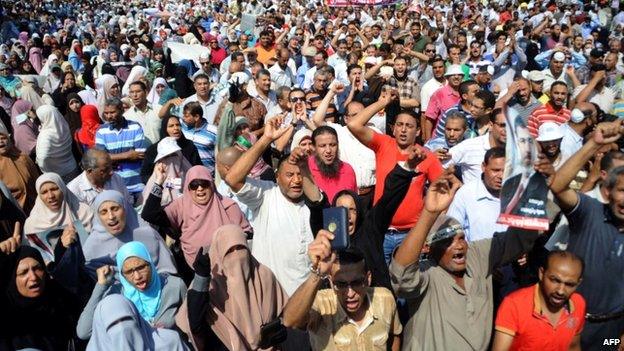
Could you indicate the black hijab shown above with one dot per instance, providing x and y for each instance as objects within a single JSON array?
[
  {"x": 183, "y": 84},
  {"x": 73, "y": 118}
]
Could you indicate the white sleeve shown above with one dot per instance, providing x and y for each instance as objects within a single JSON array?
[{"x": 252, "y": 193}]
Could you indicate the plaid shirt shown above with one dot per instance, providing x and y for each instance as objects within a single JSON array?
[{"x": 408, "y": 89}]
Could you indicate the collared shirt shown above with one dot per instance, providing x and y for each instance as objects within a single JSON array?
[
  {"x": 524, "y": 111},
  {"x": 477, "y": 210},
  {"x": 544, "y": 114},
  {"x": 408, "y": 88},
  {"x": 571, "y": 141},
  {"x": 521, "y": 316},
  {"x": 117, "y": 141},
  {"x": 269, "y": 101},
  {"x": 427, "y": 91},
  {"x": 604, "y": 99},
  {"x": 549, "y": 79},
  {"x": 468, "y": 156},
  {"x": 149, "y": 121},
  {"x": 210, "y": 107},
  {"x": 361, "y": 158},
  {"x": 86, "y": 192},
  {"x": 281, "y": 77},
  {"x": 205, "y": 138},
  {"x": 331, "y": 328},
  {"x": 282, "y": 232},
  {"x": 470, "y": 121},
  {"x": 441, "y": 100}
]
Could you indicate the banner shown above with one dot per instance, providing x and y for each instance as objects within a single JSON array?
[
  {"x": 523, "y": 196},
  {"x": 344, "y": 3},
  {"x": 180, "y": 51}
]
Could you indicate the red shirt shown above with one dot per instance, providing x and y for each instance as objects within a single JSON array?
[
  {"x": 332, "y": 186},
  {"x": 546, "y": 113},
  {"x": 520, "y": 315},
  {"x": 387, "y": 155}
]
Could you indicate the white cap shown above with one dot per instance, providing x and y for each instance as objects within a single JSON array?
[
  {"x": 453, "y": 70},
  {"x": 549, "y": 131},
  {"x": 559, "y": 56},
  {"x": 166, "y": 147},
  {"x": 205, "y": 55},
  {"x": 241, "y": 77},
  {"x": 536, "y": 76},
  {"x": 370, "y": 60},
  {"x": 386, "y": 71}
]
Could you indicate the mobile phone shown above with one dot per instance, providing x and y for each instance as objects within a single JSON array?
[{"x": 335, "y": 221}]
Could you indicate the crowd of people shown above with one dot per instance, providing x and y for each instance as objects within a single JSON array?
[{"x": 166, "y": 170}]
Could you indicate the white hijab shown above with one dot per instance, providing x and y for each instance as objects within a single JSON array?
[
  {"x": 54, "y": 143},
  {"x": 45, "y": 71},
  {"x": 153, "y": 97},
  {"x": 136, "y": 73}
]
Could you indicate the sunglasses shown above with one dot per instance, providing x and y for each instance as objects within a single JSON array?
[
  {"x": 429, "y": 50},
  {"x": 296, "y": 99},
  {"x": 196, "y": 183},
  {"x": 354, "y": 284}
]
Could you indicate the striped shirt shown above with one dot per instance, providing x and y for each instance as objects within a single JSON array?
[
  {"x": 205, "y": 138},
  {"x": 116, "y": 141},
  {"x": 440, "y": 127},
  {"x": 546, "y": 113}
]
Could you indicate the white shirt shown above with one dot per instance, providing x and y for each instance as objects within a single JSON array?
[
  {"x": 308, "y": 80},
  {"x": 210, "y": 107},
  {"x": 281, "y": 77},
  {"x": 571, "y": 142},
  {"x": 86, "y": 192},
  {"x": 604, "y": 99},
  {"x": 269, "y": 102},
  {"x": 468, "y": 156},
  {"x": 225, "y": 190},
  {"x": 282, "y": 232},
  {"x": 360, "y": 157},
  {"x": 149, "y": 121},
  {"x": 427, "y": 90},
  {"x": 477, "y": 210}
]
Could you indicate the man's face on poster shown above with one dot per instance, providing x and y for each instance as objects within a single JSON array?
[{"x": 524, "y": 143}]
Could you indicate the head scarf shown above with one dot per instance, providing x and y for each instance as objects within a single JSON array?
[
  {"x": 46, "y": 71},
  {"x": 136, "y": 74},
  {"x": 90, "y": 121},
  {"x": 359, "y": 206},
  {"x": 198, "y": 222},
  {"x": 42, "y": 218},
  {"x": 73, "y": 118},
  {"x": 118, "y": 326},
  {"x": 146, "y": 302},
  {"x": 35, "y": 58},
  {"x": 105, "y": 83},
  {"x": 54, "y": 143},
  {"x": 101, "y": 247},
  {"x": 177, "y": 167},
  {"x": 28, "y": 93},
  {"x": 244, "y": 294},
  {"x": 153, "y": 97},
  {"x": 18, "y": 112}
]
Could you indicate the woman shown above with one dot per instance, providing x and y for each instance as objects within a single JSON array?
[
  {"x": 170, "y": 155},
  {"x": 10, "y": 214},
  {"x": 183, "y": 83},
  {"x": 90, "y": 122},
  {"x": 37, "y": 313},
  {"x": 136, "y": 74},
  {"x": 73, "y": 105},
  {"x": 35, "y": 55},
  {"x": 108, "y": 87},
  {"x": 170, "y": 127},
  {"x": 159, "y": 85},
  {"x": 196, "y": 214},
  {"x": 67, "y": 86},
  {"x": 18, "y": 173},
  {"x": 56, "y": 210},
  {"x": 117, "y": 322},
  {"x": 54, "y": 144},
  {"x": 156, "y": 297},
  {"x": 26, "y": 126},
  {"x": 46, "y": 69},
  {"x": 115, "y": 224},
  {"x": 239, "y": 283}
]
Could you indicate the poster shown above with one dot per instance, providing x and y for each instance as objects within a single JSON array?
[
  {"x": 180, "y": 51},
  {"x": 523, "y": 196},
  {"x": 248, "y": 22},
  {"x": 342, "y": 3}
]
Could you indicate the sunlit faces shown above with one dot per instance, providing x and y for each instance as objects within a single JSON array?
[
  {"x": 51, "y": 195},
  {"x": 348, "y": 202},
  {"x": 201, "y": 191},
  {"x": 493, "y": 172},
  {"x": 290, "y": 181},
  {"x": 137, "y": 272},
  {"x": 113, "y": 217},
  {"x": 350, "y": 282},
  {"x": 30, "y": 278},
  {"x": 173, "y": 128},
  {"x": 405, "y": 130},
  {"x": 111, "y": 114}
]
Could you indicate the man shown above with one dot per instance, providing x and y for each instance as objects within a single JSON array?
[
  {"x": 451, "y": 296},
  {"x": 203, "y": 135},
  {"x": 443, "y": 99},
  {"x": 549, "y": 138},
  {"x": 356, "y": 90},
  {"x": 143, "y": 113},
  {"x": 351, "y": 312},
  {"x": 483, "y": 77},
  {"x": 409, "y": 91},
  {"x": 388, "y": 151},
  {"x": 477, "y": 203},
  {"x": 595, "y": 236},
  {"x": 467, "y": 91},
  {"x": 308, "y": 62},
  {"x": 595, "y": 90},
  {"x": 330, "y": 174},
  {"x": 320, "y": 61},
  {"x": 596, "y": 56},
  {"x": 537, "y": 86},
  {"x": 433, "y": 84},
  {"x": 555, "y": 72},
  {"x": 351, "y": 150},
  {"x": 583, "y": 118},
  {"x": 339, "y": 60},
  {"x": 595, "y": 185},
  {"x": 321, "y": 82},
  {"x": 519, "y": 98},
  {"x": 420, "y": 41},
  {"x": 468, "y": 155},
  {"x": 553, "y": 111},
  {"x": 547, "y": 315},
  {"x": 283, "y": 104},
  {"x": 205, "y": 96},
  {"x": 97, "y": 176},
  {"x": 281, "y": 74},
  {"x": 265, "y": 48},
  {"x": 207, "y": 68},
  {"x": 225, "y": 160},
  {"x": 280, "y": 241},
  {"x": 454, "y": 132},
  {"x": 261, "y": 90},
  {"x": 125, "y": 143}
]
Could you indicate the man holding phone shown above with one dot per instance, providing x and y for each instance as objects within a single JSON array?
[{"x": 350, "y": 311}]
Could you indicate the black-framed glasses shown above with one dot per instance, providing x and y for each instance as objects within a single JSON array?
[
  {"x": 297, "y": 98},
  {"x": 196, "y": 183},
  {"x": 137, "y": 269},
  {"x": 429, "y": 50},
  {"x": 354, "y": 284}
]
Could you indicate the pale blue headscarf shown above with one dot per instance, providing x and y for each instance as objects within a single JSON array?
[{"x": 147, "y": 302}]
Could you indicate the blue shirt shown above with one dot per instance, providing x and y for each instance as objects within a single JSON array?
[
  {"x": 439, "y": 132},
  {"x": 116, "y": 141},
  {"x": 205, "y": 138}
]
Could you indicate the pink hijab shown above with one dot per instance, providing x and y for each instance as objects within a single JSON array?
[
  {"x": 197, "y": 223},
  {"x": 243, "y": 294}
]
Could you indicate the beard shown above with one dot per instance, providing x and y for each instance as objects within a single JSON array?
[{"x": 328, "y": 170}]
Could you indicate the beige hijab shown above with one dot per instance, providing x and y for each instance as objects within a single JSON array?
[{"x": 244, "y": 294}]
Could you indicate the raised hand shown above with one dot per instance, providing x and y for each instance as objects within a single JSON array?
[
  {"x": 416, "y": 154},
  {"x": 201, "y": 266},
  {"x": 608, "y": 132},
  {"x": 297, "y": 155},
  {"x": 105, "y": 275},
  {"x": 273, "y": 128},
  {"x": 69, "y": 236},
  {"x": 160, "y": 173},
  {"x": 441, "y": 193},
  {"x": 320, "y": 252},
  {"x": 11, "y": 244}
]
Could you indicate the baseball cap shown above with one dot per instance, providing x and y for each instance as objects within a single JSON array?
[
  {"x": 549, "y": 131},
  {"x": 453, "y": 70},
  {"x": 486, "y": 69},
  {"x": 596, "y": 53},
  {"x": 166, "y": 147},
  {"x": 536, "y": 76}
]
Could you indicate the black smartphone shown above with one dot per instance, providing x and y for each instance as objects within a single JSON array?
[{"x": 335, "y": 220}]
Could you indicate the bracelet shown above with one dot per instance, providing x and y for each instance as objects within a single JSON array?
[{"x": 317, "y": 272}]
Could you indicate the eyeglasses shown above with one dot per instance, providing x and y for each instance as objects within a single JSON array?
[
  {"x": 205, "y": 63},
  {"x": 429, "y": 50},
  {"x": 196, "y": 183},
  {"x": 137, "y": 269},
  {"x": 354, "y": 284},
  {"x": 297, "y": 99}
]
